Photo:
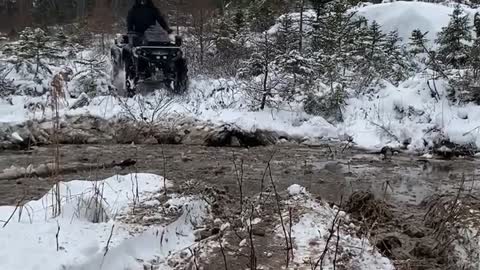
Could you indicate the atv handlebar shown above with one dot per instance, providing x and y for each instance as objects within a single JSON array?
[{"x": 134, "y": 36}]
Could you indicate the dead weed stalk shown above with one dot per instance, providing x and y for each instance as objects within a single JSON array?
[{"x": 287, "y": 236}]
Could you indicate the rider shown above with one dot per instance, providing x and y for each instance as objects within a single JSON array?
[{"x": 143, "y": 15}]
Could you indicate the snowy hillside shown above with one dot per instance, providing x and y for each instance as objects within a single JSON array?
[{"x": 406, "y": 16}]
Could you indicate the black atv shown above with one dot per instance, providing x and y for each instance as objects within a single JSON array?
[{"x": 149, "y": 62}]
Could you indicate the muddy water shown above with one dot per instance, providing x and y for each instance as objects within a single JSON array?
[{"x": 402, "y": 180}]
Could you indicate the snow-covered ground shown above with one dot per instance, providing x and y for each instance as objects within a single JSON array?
[
  {"x": 312, "y": 230},
  {"x": 91, "y": 230},
  {"x": 390, "y": 116}
]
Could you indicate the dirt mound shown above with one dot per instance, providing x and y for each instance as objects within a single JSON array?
[{"x": 86, "y": 129}]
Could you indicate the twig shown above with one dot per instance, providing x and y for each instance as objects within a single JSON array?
[
  {"x": 279, "y": 212},
  {"x": 223, "y": 253},
  {"x": 290, "y": 231},
  {"x": 331, "y": 233},
  {"x": 108, "y": 241},
  {"x": 253, "y": 256},
  {"x": 164, "y": 171},
  {"x": 470, "y": 131},
  {"x": 13, "y": 213},
  {"x": 262, "y": 183},
  {"x": 336, "y": 246},
  {"x": 194, "y": 254},
  {"x": 56, "y": 236},
  {"x": 239, "y": 178}
]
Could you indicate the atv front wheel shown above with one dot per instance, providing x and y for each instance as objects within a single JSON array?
[{"x": 180, "y": 85}]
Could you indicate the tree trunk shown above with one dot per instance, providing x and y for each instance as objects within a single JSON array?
[
  {"x": 265, "y": 89},
  {"x": 201, "y": 37},
  {"x": 300, "y": 38}
]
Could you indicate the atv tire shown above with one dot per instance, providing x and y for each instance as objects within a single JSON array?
[
  {"x": 131, "y": 81},
  {"x": 180, "y": 85}
]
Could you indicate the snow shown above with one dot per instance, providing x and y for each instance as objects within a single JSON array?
[
  {"x": 31, "y": 231},
  {"x": 295, "y": 189},
  {"x": 311, "y": 231},
  {"x": 407, "y": 16},
  {"x": 407, "y": 111}
]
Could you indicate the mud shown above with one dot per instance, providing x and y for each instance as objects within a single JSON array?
[{"x": 331, "y": 173}]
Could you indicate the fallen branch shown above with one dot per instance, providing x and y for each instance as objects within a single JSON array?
[
  {"x": 45, "y": 170},
  {"x": 470, "y": 131},
  {"x": 386, "y": 131},
  {"x": 56, "y": 236}
]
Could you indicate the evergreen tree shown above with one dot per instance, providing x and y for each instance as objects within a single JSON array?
[
  {"x": 91, "y": 77},
  {"x": 397, "y": 57},
  {"x": 263, "y": 13},
  {"x": 454, "y": 39},
  {"x": 372, "y": 56},
  {"x": 475, "y": 51},
  {"x": 476, "y": 25},
  {"x": 33, "y": 53},
  {"x": 417, "y": 42},
  {"x": 230, "y": 37},
  {"x": 334, "y": 40},
  {"x": 287, "y": 35}
]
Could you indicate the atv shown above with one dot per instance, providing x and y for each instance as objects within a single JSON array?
[{"x": 148, "y": 62}]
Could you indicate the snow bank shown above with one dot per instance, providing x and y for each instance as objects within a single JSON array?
[
  {"x": 408, "y": 112},
  {"x": 408, "y": 16},
  {"x": 31, "y": 231},
  {"x": 217, "y": 101},
  {"x": 389, "y": 116},
  {"x": 311, "y": 232}
]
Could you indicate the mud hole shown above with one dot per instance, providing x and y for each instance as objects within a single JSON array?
[{"x": 395, "y": 203}]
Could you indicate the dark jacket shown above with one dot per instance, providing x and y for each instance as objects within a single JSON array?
[{"x": 141, "y": 17}]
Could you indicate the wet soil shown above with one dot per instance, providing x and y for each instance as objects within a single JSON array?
[
  {"x": 402, "y": 179},
  {"x": 329, "y": 172}
]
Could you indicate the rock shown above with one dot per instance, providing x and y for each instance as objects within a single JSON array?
[
  {"x": 82, "y": 101},
  {"x": 218, "y": 222},
  {"x": 243, "y": 243},
  {"x": 150, "y": 140},
  {"x": 414, "y": 232},
  {"x": 16, "y": 137},
  {"x": 387, "y": 244},
  {"x": 225, "y": 227},
  {"x": 423, "y": 250},
  {"x": 234, "y": 142},
  {"x": 258, "y": 231},
  {"x": 201, "y": 234},
  {"x": 215, "y": 231},
  {"x": 185, "y": 158}
]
